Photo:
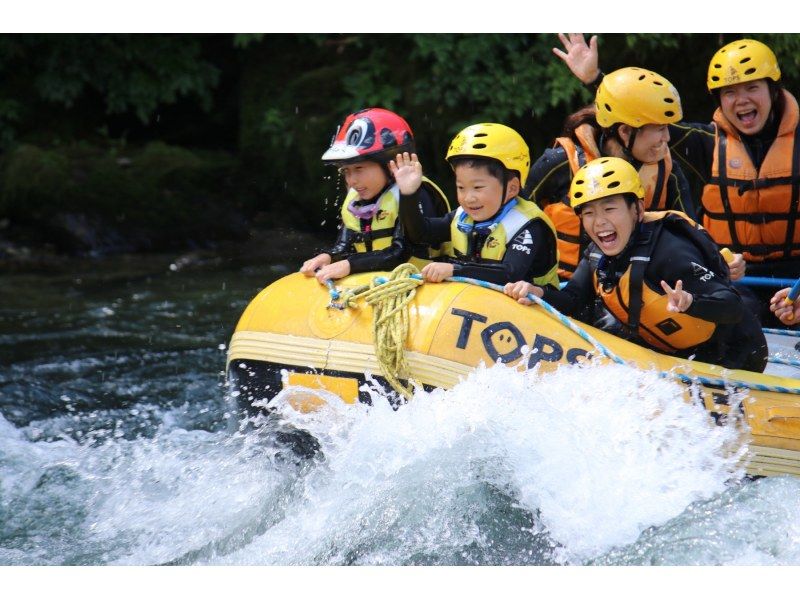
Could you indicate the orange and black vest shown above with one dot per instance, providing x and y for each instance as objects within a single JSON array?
[
  {"x": 654, "y": 178},
  {"x": 641, "y": 304},
  {"x": 755, "y": 211},
  {"x": 568, "y": 226}
]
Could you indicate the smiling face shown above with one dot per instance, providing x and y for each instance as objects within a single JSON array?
[
  {"x": 610, "y": 222},
  {"x": 479, "y": 193},
  {"x": 367, "y": 178},
  {"x": 651, "y": 143},
  {"x": 746, "y": 105}
]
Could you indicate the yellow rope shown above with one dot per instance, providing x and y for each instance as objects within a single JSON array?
[{"x": 389, "y": 301}]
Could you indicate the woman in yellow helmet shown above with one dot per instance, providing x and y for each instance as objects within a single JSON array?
[
  {"x": 629, "y": 119},
  {"x": 657, "y": 273},
  {"x": 494, "y": 235}
]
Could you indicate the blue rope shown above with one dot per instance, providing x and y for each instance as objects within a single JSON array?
[
  {"x": 781, "y": 331},
  {"x": 782, "y": 361}
]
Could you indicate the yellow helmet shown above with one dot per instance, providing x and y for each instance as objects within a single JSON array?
[
  {"x": 496, "y": 141},
  {"x": 602, "y": 178},
  {"x": 740, "y": 61},
  {"x": 637, "y": 97}
]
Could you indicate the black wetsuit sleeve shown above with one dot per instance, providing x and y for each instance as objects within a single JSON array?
[
  {"x": 382, "y": 259},
  {"x": 713, "y": 299},
  {"x": 420, "y": 228},
  {"x": 577, "y": 294},
  {"x": 527, "y": 256},
  {"x": 679, "y": 196},
  {"x": 549, "y": 178},
  {"x": 343, "y": 247},
  {"x": 693, "y": 145}
]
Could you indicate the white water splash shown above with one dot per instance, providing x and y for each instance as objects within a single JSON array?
[
  {"x": 606, "y": 463},
  {"x": 598, "y": 462}
]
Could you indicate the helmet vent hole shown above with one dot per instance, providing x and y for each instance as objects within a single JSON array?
[
  {"x": 743, "y": 46},
  {"x": 479, "y": 146},
  {"x": 609, "y": 173},
  {"x": 750, "y": 71},
  {"x": 641, "y": 77},
  {"x": 669, "y": 100},
  {"x": 608, "y": 107},
  {"x": 480, "y": 134},
  {"x": 580, "y": 182},
  {"x": 577, "y": 194},
  {"x": 743, "y": 60},
  {"x": 658, "y": 83},
  {"x": 613, "y": 184},
  {"x": 715, "y": 78},
  {"x": 717, "y": 66},
  {"x": 669, "y": 113}
]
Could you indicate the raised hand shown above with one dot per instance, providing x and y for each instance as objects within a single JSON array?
[
  {"x": 407, "y": 172},
  {"x": 581, "y": 59},
  {"x": 679, "y": 300}
]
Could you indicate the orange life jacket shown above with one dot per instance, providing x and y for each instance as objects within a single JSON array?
[
  {"x": 568, "y": 226},
  {"x": 755, "y": 212},
  {"x": 642, "y": 305}
]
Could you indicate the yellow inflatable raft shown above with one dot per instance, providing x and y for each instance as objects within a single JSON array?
[{"x": 289, "y": 336}]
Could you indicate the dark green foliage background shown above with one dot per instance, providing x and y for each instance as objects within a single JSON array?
[{"x": 150, "y": 129}]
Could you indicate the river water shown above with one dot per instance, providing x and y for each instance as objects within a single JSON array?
[{"x": 117, "y": 446}]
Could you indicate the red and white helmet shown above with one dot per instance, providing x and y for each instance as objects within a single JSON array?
[{"x": 371, "y": 134}]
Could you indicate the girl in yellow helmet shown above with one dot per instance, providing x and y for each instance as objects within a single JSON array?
[
  {"x": 629, "y": 119},
  {"x": 494, "y": 235},
  {"x": 656, "y": 273}
]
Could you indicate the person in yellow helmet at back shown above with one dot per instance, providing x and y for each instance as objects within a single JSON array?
[
  {"x": 658, "y": 273},
  {"x": 629, "y": 119},
  {"x": 747, "y": 158},
  {"x": 494, "y": 234}
]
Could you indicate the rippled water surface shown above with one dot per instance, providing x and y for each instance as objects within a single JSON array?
[{"x": 117, "y": 447}]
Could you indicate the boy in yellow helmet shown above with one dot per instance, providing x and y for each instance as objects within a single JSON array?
[
  {"x": 494, "y": 235},
  {"x": 657, "y": 273}
]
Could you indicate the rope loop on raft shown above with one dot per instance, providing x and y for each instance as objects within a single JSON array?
[{"x": 389, "y": 298}]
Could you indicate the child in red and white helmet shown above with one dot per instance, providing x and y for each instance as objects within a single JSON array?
[{"x": 370, "y": 237}]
